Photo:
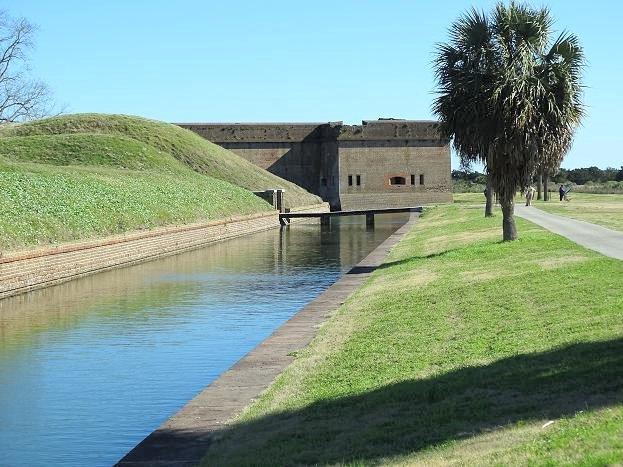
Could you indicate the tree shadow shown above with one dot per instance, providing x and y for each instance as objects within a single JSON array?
[
  {"x": 440, "y": 254},
  {"x": 412, "y": 415}
]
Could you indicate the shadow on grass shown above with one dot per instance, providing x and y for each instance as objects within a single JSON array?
[
  {"x": 390, "y": 264},
  {"x": 412, "y": 415},
  {"x": 440, "y": 254}
]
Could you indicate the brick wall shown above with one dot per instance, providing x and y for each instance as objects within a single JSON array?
[
  {"x": 396, "y": 200},
  {"x": 319, "y": 157},
  {"x": 296, "y": 162},
  {"x": 376, "y": 162},
  {"x": 29, "y": 270}
]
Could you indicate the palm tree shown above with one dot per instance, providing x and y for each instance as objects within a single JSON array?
[
  {"x": 509, "y": 96},
  {"x": 463, "y": 68}
]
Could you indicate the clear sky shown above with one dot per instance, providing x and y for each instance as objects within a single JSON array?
[{"x": 231, "y": 61}]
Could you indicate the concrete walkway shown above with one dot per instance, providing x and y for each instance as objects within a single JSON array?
[{"x": 594, "y": 237}]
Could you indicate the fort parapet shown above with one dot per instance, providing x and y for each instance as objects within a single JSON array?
[{"x": 380, "y": 163}]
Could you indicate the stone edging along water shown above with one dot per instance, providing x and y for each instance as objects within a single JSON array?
[
  {"x": 37, "y": 268},
  {"x": 186, "y": 436}
]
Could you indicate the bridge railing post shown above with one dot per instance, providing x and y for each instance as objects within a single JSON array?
[
  {"x": 369, "y": 219},
  {"x": 280, "y": 201}
]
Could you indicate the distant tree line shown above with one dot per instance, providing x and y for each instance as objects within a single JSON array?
[
  {"x": 579, "y": 176},
  {"x": 593, "y": 174}
]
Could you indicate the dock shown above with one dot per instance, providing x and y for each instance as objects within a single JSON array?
[{"x": 325, "y": 217}]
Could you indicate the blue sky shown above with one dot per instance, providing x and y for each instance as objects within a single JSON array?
[{"x": 190, "y": 61}]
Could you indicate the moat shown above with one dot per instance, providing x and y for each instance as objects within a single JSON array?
[{"x": 90, "y": 367}]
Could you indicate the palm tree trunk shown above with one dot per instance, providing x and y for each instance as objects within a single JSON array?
[
  {"x": 546, "y": 196},
  {"x": 539, "y": 186},
  {"x": 509, "y": 229},
  {"x": 489, "y": 195}
]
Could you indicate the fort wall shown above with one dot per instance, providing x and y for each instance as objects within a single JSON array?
[
  {"x": 303, "y": 153},
  {"x": 349, "y": 166}
]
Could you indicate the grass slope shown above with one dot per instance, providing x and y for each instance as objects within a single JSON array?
[
  {"x": 43, "y": 204},
  {"x": 83, "y": 176},
  {"x": 459, "y": 350},
  {"x": 170, "y": 140}
]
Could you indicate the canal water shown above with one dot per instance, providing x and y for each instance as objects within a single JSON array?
[{"x": 90, "y": 367}]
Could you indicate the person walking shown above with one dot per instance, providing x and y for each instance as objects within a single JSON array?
[
  {"x": 561, "y": 192},
  {"x": 530, "y": 195}
]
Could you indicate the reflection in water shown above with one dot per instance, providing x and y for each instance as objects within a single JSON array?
[{"x": 90, "y": 367}]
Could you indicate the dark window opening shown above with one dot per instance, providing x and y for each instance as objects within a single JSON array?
[
  {"x": 350, "y": 180},
  {"x": 358, "y": 180},
  {"x": 397, "y": 181},
  {"x": 421, "y": 179},
  {"x": 323, "y": 181},
  {"x": 412, "y": 179}
]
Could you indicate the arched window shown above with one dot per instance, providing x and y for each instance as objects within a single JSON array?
[{"x": 397, "y": 181}]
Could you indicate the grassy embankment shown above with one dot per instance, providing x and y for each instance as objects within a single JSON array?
[
  {"x": 460, "y": 349},
  {"x": 83, "y": 176}
]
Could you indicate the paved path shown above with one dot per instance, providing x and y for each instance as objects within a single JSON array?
[{"x": 594, "y": 237}]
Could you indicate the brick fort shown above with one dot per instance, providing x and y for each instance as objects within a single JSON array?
[{"x": 378, "y": 164}]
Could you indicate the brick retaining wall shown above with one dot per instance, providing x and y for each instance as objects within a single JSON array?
[{"x": 28, "y": 270}]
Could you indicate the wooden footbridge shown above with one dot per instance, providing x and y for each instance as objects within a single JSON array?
[{"x": 325, "y": 217}]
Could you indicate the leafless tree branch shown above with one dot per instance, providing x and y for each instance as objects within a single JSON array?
[{"x": 21, "y": 97}]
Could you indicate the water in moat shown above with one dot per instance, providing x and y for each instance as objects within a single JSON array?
[{"x": 90, "y": 367}]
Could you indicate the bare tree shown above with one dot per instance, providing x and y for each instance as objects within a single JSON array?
[{"x": 21, "y": 97}]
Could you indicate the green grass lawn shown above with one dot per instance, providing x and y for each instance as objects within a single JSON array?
[
  {"x": 606, "y": 210},
  {"x": 459, "y": 350}
]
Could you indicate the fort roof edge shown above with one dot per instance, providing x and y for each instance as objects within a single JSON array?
[{"x": 368, "y": 130}]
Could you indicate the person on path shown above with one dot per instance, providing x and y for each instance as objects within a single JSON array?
[
  {"x": 530, "y": 195},
  {"x": 561, "y": 192}
]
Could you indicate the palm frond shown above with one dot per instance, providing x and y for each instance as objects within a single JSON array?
[{"x": 506, "y": 97}]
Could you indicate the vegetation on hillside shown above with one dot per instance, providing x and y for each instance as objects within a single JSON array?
[
  {"x": 43, "y": 204},
  {"x": 82, "y": 176},
  {"x": 155, "y": 137},
  {"x": 428, "y": 363}
]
